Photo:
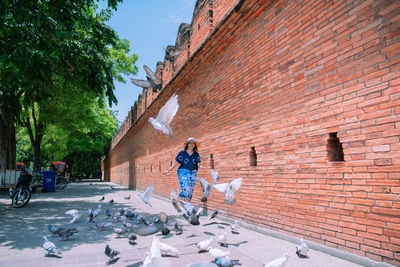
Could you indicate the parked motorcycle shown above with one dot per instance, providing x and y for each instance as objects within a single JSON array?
[{"x": 21, "y": 193}]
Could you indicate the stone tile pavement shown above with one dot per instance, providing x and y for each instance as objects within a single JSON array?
[{"x": 21, "y": 233}]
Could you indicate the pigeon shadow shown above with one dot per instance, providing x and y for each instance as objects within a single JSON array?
[
  {"x": 170, "y": 256},
  {"x": 137, "y": 264},
  {"x": 113, "y": 261},
  {"x": 237, "y": 244},
  {"x": 52, "y": 256},
  {"x": 209, "y": 233},
  {"x": 192, "y": 235}
]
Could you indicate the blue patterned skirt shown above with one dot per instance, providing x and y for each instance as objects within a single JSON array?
[{"x": 187, "y": 181}]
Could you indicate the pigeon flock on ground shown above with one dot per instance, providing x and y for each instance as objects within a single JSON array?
[{"x": 126, "y": 223}]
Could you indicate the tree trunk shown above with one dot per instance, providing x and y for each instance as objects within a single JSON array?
[
  {"x": 36, "y": 136},
  {"x": 7, "y": 143}
]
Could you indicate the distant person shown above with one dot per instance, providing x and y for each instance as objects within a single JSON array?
[{"x": 189, "y": 160}]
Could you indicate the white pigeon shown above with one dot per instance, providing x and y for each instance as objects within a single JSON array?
[
  {"x": 147, "y": 259},
  {"x": 50, "y": 247},
  {"x": 165, "y": 248},
  {"x": 235, "y": 227},
  {"x": 302, "y": 250},
  {"x": 166, "y": 115},
  {"x": 147, "y": 194},
  {"x": 215, "y": 176},
  {"x": 279, "y": 262},
  {"x": 206, "y": 188},
  {"x": 155, "y": 249},
  {"x": 222, "y": 239},
  {"x": 204, "y": 245},
  {"x": 216, "y": 252},
  {"x": 229, "y": 189},
  {"x": 76, "y": 215}
]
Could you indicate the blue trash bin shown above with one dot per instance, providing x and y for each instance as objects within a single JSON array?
[{"x": 49, "y": 181}]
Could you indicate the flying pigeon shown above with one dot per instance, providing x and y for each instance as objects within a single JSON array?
[
  {"x": 216, "y": 252},
  {"x": 50, "y": 247},
  {"x": 165, "y": 116},
  {"x": 235, "y": 227},
  {"x": 76, "y": 215},
  {"x": 222, "y": 240},
  {"x": 229, "y": 189},
  {"x": 165, "y": 248},
  {"x": 54, "y": 229},
  {"x": 67, "y": 233},
  {"x": 279, "y": 262},
  {"x": 204, "y": 245},
  {"x": 110, "y": 253},
  {"x": 94, "y": 214},
  {"x": 206, "y": 188},
  {"x": 215, "y": 176},
  {"x": 147, "y": 194},
  {"x": 178, "y": 229},
  {"x": 151, "y": 80},
  {"x": 101, "y": 199},
  {"x": 226, "y": 262},
  {"x": 128, "y": 197},
  {"x": 302, "y": 250},
  {"x": 174, "y": 199}
]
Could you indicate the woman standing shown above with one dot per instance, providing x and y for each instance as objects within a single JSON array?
[{"x": 189, "y": 160}]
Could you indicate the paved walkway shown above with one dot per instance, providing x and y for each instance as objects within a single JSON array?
[{"x": 21, "y": 233}]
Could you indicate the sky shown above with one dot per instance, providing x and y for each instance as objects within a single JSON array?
[{"x": 149, "y": 26}]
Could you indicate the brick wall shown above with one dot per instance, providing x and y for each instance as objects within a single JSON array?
[{"x": 284, "y": 77}]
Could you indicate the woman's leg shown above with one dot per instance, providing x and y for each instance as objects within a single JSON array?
[{"x": 187, "y": 181}]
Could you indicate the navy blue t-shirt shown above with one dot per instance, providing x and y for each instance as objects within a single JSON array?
[{"x": 188, "y": 162}]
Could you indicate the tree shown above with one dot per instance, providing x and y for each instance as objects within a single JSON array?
[{"x": 47, "y": 46}]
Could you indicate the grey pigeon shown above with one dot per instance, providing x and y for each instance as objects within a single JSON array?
[
  {"x": 54, "y": 229},
  {"x": 178, "y": 229},
  {"x": 128, "y": 197},
  {"x": 108, "y": 213},
  {"x": 94, "y": 214},
  {"x": 153, "y": 228},
  {"x": 111, "y": 253},
  {"x": 174, "y": 199},
  {"x": 132, "y": 237},
  {"x": 302, "y": 250},
  {"x": 140, "y": 219},
  {"x": 214, "y": 214},
  {"x": 206, "y": 188},
  {"x": 111, "y": 201},
  {"x": 229, "y": 190},
  {"x": 50, "y": 247},
  {"x": 226, "y": 262},
  {"x": 165, "y": 116},
  {"x": 279, "y": 262},
  {"x": 67, "y": 233},
  {"x": 119, "y": 231},
  {"x": 171, "y": 53},
  {"x": 151, "y": 81},
  {"x": 147, "y": 194},
  {"x": 102, "y": 225}
]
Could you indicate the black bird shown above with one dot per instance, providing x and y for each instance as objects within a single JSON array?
[
  {"x": 111, "y": 201},
  {"x": 110, "y": 253},
  {"x": 101, "y": 199},
  {"x": 214, "y": 214}
]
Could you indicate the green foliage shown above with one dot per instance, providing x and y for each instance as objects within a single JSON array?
[
  {"x": 24, "y": 147},
  {"x": 58, "y": 63}
]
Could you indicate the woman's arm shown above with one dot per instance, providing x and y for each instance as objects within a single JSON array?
[{"x": 173, "y": 166}]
